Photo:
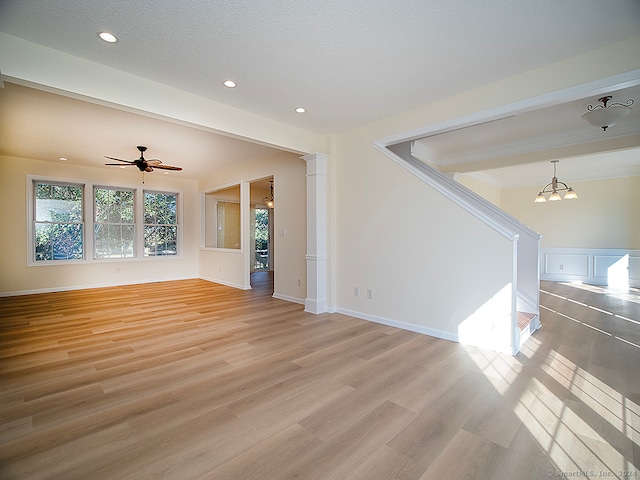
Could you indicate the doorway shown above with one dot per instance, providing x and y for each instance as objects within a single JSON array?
[
  {"x": 261, "y": 221},
  {"x": 262, "y": 239}
]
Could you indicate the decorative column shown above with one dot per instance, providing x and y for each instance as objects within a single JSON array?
[{"x": 316, "y": 301}]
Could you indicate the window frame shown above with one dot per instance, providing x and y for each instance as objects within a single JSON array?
[
  {"x": 134, "y": 224},
  {"x": 32, "y": 219},
  {"x": 88, "y": 205},
  {"x": 144, "y": 224}
]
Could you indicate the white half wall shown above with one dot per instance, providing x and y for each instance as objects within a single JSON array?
[{"x": 289, "y": 239}]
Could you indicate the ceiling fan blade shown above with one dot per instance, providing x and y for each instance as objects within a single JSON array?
[
  {"x": 120, "y": 165},
  {"x": 143, "y": 164},
  {"x": 167, "y": 167},
  {"x": 119, "y": 160}
]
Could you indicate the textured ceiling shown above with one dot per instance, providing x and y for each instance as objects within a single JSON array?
[{"x": 347, "y": 62}]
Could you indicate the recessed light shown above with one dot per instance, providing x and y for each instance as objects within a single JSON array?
[
  {"x": 229, "y": 83},
  {"x": 300, "y": 110},
  {"x": 64, "y": 159},
  {"x": 108, "y": 37}
]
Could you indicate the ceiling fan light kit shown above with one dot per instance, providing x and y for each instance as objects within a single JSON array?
[
  {"x": 142, "y": 164},
  {"x": 607, "y": 114},
  {"x": 553, "y": 188}
]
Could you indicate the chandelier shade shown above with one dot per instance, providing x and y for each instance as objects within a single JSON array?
[
  {"x": 606, "y": 115},
  {"x": 554, "y": 188}
]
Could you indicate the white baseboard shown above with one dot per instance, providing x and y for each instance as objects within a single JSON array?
[
  {"x": 69, "y": 288},
  {"x": 225, "y": 282},
  {"x": 287, "y": 298},
  {"x": 432, "y": 332}
]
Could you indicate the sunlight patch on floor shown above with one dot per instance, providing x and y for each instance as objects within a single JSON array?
[
  {"x": 580, "y": 422},
  {"x": 558, "y": 427}
]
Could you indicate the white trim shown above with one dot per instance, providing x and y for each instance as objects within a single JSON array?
[
  {"x": 85, "y": 287},
  {"x": 225, "y": 250},
  {"x": 616, "y": 82},
  {"x": 519, "y": 147},
  {"x": 316, "y": 253},
  {"x": 582, "y": 264},
  {"x": 479, "y": 207},
  {"x": 526, "y": 303},
  {"x": 288, "y": 298},
  {"x": 203, "y": 219},
  {"x": 411, "y": 327},
  {"x": 224, "y": 282},
  {"x": 87, "y": 225}
]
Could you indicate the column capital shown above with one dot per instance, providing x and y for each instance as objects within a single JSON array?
[{"x": 316, "y": 163}]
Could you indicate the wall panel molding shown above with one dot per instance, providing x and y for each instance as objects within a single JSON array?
[{"x": 598, "y": 266}]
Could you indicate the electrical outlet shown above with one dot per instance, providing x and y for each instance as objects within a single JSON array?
[
  {"x": 356, "y": 292},
  {"x": 369, "y": 294},
  {"x": 299, "y": 282},
  {"x": 561, "y": 267}
]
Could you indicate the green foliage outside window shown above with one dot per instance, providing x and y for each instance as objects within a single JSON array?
[
  {"x": 58, "y": 222},
  {"x": 114, "y": 223},
  {"x": 160, "y": 224},
  {"x": 262, "y": 239}
]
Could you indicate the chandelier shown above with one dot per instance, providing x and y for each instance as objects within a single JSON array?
[
  {"x": 269, "y": 198},
  {"x": 554, "y": 187},
  {"x": 607, "y": 114}
]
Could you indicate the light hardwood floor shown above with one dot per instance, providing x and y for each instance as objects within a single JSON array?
[{"x": 193, "y": 380}]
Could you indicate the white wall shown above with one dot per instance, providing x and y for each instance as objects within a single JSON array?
[
  {"x": 583, "y": 238},
  {"x": 483, "y": 189},
  {"x": 232, "y": 268},
  {"x": 606, "y": 214},
  {"x": 17, "y": 277},
  {"x": 430, "y": 265}
]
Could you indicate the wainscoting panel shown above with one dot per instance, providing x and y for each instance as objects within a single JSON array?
[
  {"x": 634, "y": 270},
  {"x": 615, "y": 267},
  {"x": 566, "y": 264}
]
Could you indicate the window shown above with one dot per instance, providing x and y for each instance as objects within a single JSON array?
[
  {"x": 114, "y": 232},
  {"x": 160, "y": 224},
  {"x": 58, "y": 227},
  {"x": 123, "y": 223}
]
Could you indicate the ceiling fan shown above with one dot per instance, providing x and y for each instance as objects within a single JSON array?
[{"x": 143, "y": 164}]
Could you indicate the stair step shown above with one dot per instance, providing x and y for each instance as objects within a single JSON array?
[{"x": 525, "y": 319}]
